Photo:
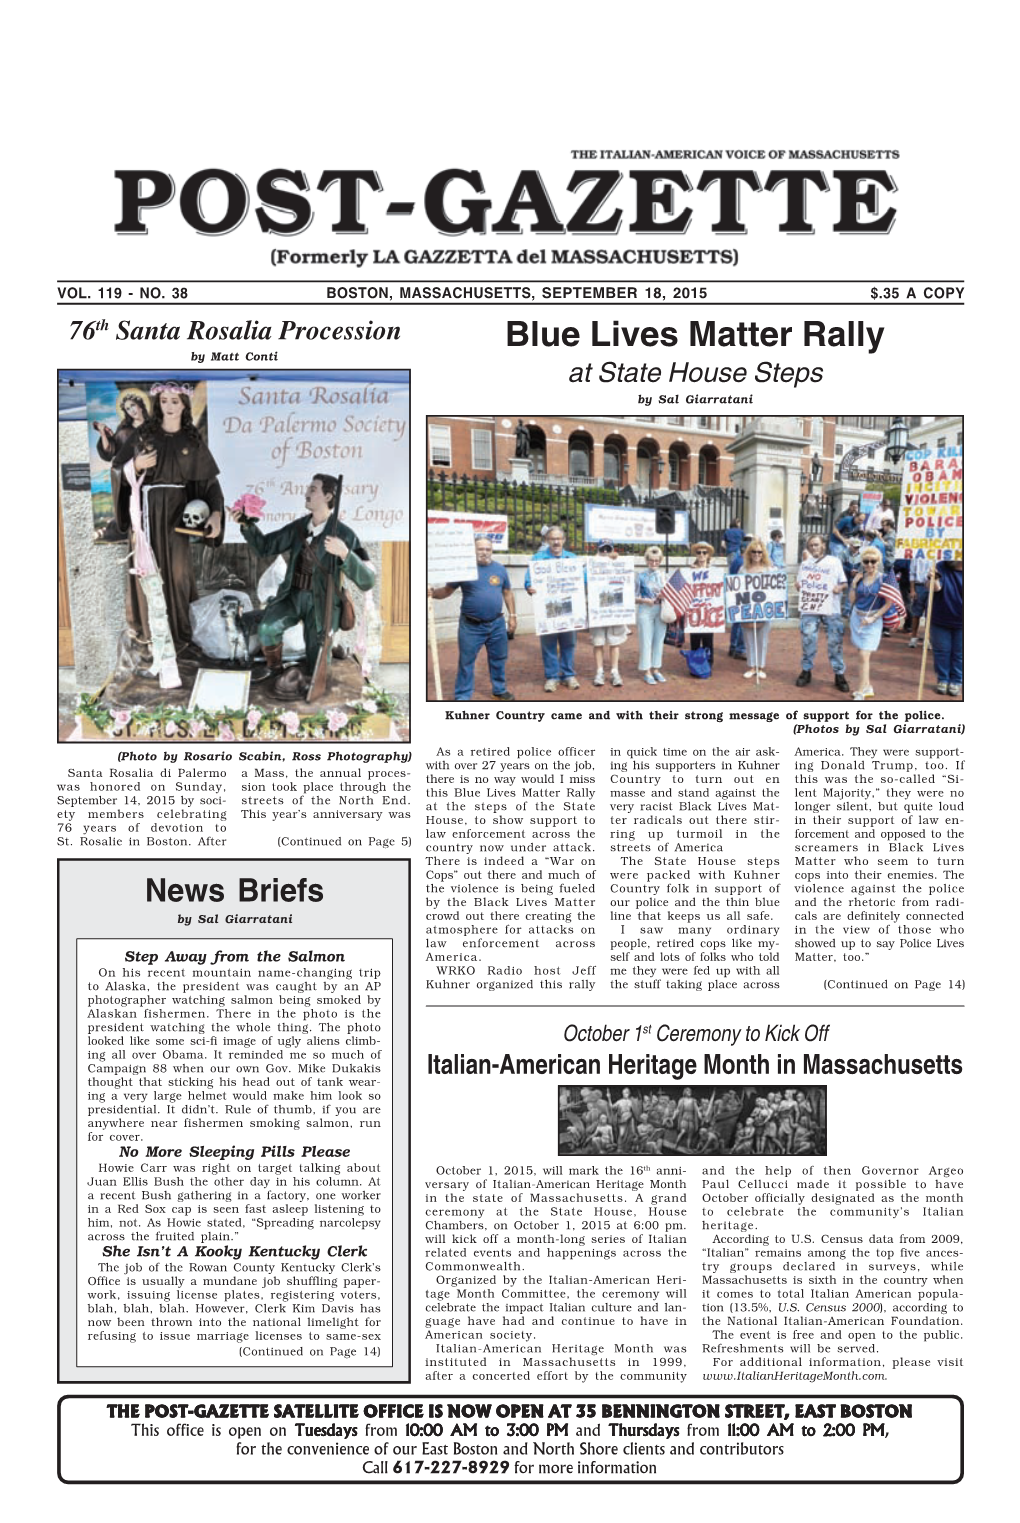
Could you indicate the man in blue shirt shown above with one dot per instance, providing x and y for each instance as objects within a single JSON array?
[
  {"x": 734, "y": 538},
  {"x": 557, "y": 650},
  {"x": 850, "y": 526},
  {"x": 481, "y": 623}
]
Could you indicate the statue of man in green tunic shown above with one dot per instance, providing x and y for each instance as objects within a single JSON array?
[{"x": 313, "y": 558}]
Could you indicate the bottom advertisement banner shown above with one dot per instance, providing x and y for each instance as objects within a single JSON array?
[{"x": 757, "y": 1438}]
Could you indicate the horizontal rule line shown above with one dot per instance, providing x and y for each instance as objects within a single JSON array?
[
  {"x": 211, "y": 280},
  {"x": 219, "y": 302},
  {"x": 880, "y": 1005}
]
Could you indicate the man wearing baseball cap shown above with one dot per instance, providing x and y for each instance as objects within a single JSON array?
[{"x": 557, "y": 649}]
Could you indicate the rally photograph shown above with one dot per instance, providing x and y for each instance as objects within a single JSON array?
[
  {"x": 698, "y": 559},
  {"x": 233, "y": 555}
]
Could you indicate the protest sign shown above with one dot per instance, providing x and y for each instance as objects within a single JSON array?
[
  {"x": 610, "y": 591},
  {"x": 818, "y": 590},
  {"x": 698, "y": 597},
  {"x": 559, "y": 600},
  {"x": 492, "y": 525},
  {"x": 451, "y": 553},
  {"x": 752, "y": 597},
  {"x": 931, "y": 504}
]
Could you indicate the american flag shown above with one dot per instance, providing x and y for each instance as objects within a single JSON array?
[
  {"x": 893, "y": 607},
  {"x": 679, "y": 593}
]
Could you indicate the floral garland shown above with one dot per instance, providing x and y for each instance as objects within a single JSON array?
[{"x": 172, "y": 722}]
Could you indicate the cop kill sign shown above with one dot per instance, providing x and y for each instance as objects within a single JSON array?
[
  {"x": 271, "y": 435},
  {"x": 931, "y": 504}
]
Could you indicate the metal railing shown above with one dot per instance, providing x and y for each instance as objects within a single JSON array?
[{"x": 530, "y": 505}]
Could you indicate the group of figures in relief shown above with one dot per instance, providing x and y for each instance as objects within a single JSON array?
[{"x": 693, "y": 1120}]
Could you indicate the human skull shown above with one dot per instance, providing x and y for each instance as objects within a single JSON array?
[{"x": 195, "y": 514}]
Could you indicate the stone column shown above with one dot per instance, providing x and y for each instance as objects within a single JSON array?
[{"x": 767, "y": 465}]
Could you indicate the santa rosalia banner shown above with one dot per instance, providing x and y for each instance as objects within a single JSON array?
[{"x": 271, "y": 436}]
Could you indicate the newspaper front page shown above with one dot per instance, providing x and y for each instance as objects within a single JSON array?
[{"x": 518, "y": 1023}]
